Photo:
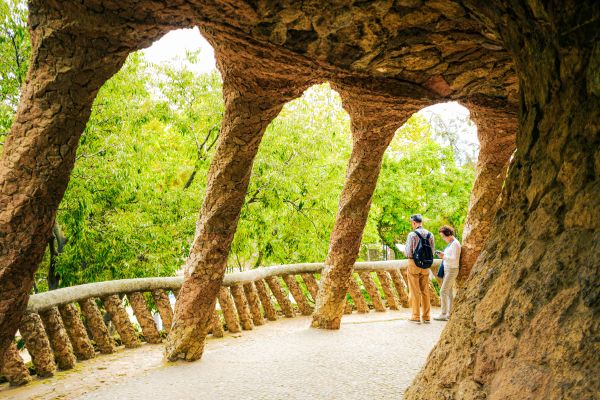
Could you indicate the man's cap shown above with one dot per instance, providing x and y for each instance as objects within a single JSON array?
[{"x": 416, "y": 218}]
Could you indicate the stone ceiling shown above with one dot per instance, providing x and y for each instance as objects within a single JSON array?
[{"x": 432, "y": 50}]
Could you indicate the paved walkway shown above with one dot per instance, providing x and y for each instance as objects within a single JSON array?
[{"x": 373, "y": 356}]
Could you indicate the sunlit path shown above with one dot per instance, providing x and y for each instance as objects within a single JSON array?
[{"x": 374, "y": 355}]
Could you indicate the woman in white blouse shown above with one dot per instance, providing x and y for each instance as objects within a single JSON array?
[{"x": 451, "y": 257}]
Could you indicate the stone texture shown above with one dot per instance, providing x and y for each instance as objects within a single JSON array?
[
  {"x": 82, "y": 346},
  {"x": 241, "y": 305},
  {"x": 163, "y": 305},
  {"x": 144, "y": 317},
  {"x": 97, "y": 327},
  {"x": 301, "y": 302},
  {"x": 401, "y": 287},
  {"x": 37, "y": 344},
  {"x": 254, "y": 303},
  {"x": 217, "y": 326},
  {"x": 284, "y": 303},
  {"x": 372, "y": 290},
  {"x": 496, "y": 131},
  {"x": 120, "y": 319},
  {"x": 265, "y": 299},
  {"x": 311, "y": 284},
  {"x": 64, "y": 356},
  {"x": 13, "y": 368},
  {"x": 356, "y": 293},
  {"x": 229, "y": 312},
  {"x": 386, "y": 286}
]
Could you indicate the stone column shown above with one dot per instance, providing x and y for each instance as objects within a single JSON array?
[
  {"x": 401, "y": 287},
  {"x": 82, "y": 346},
  {"x": 496, "y": 131},
  {"x": 66, "y": 70},
  {"x": 229, "y": 312},
  {"x": 254, "y": 94},
  {"x": 284, "y": 302},
  {"x": 242, "y": 307},
  {"x": 386, "y": 285},
  {"x": 373, "y": 291},
  {"x": 374, "y": 122},
  {"x": 525, "y": 325},
  {"x": 163, "y": 305},
  {"x": 265, "y": 299},
  {"x": 296, "y": 291},
  {"x": 59, "y": 339},
  {"x": 119, "y": 317},
  {"x": 311, "y": 284},
  {"x": 254, "y": 303}
]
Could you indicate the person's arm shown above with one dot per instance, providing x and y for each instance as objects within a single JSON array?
[
  {"x": 408, "y": 251},
  {"x": 432, "y": 242}
]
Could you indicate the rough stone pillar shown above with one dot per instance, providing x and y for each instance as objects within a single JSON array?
[
  {"x": 284, "y": 302},
  {"x": 356, "y": 294},
  {"x": 496, "y": 131},
  {"x": 144, "y": 317},
  {"x": 254, "y": 94},
  {"x": 82, "y": 346},
  {"x": 217, "y": 326},
  {"x": 13, "y": 367},
  {"x": 242, "y": 307},
  {"x": 254, "y": 303},
  {"x": 386, "y": 285},
  {"x": 97, "y": 326},
  {"x": 59, "y": 339},
  {"x": 374, "y": 122},
  {"x": 373, "y": 291},
  {"x": 37, "y": 344},
  {"x": 229, "y": 311},
  {"x": 119, "y": 317},
  {"x": 311, "y": 284},
  {"x": 296, "y": 291},
  {"x": 66, "y": 69},
  {"x": 525, "y": 326},
  {"x": 401, "y": 287},
  {"x": 265, "y": 299},
  {"x": 163, "y": 305}
]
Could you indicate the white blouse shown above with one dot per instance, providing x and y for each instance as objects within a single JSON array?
[{"x": 452, "y": 255}]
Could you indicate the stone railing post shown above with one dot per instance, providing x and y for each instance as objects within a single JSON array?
[
  {"x": 119, "y": 317},
  {"x": 229, "y": 312},
  {"x": 373, "y": 291},
  {"x": 254, "y": 303},
  {"x": 265, "y": 299},
  {"x": 144, "y": 317},
  {"x": 37, "y": 344},
  {"x": 59, "y": 339},
  {"x": 296, "y": 291},
  {"x": 242, "y": 307},
  {"x": 163, "y": 305},
  {"x": 97, "y": 326},
  {"x": 284, "y": 302},
  {"x": 82, "y": 346},
  {"x": 13, "y": 367},
  {"x": 311, "y": 284},
  {"x": 386, "y": 285}
]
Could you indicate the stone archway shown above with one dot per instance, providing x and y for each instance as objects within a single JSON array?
[{"x": 528, "y": 314}]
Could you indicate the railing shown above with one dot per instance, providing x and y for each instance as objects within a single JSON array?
[{"x": 56, "y": 336}]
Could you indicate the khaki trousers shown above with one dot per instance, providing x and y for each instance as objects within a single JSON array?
[{"x": 418, "y": 286}]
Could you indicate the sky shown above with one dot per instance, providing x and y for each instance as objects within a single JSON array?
[{"x": 174, "y": 44}]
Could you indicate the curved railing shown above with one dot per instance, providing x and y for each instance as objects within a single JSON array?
[{"x": 66, "y": 325}]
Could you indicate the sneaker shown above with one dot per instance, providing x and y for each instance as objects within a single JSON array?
[
  {"x": 440, "y": 318},
  {"x": 416, "y": 321},
  {"x": 426, "y": 321}
]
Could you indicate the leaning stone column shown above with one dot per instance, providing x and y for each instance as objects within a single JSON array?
[
  {"x": 13, "y": 367},
  {"x": 229, "y": 312},
  {"x": 284, "y": 302},
  {"x": 311, "y": 284},
  {"x": 296, "y": 291},
  {"x": 144, "y": 317},
  {"x": 97, "y": 326},
  {"x": 120, "y": 318},
  {"x": 254, "y": 303},
  {"x": 241, "y": 305},
  {"x": 265, "y": 299},
  {"x": 373, "y": 291},
  {"x": 356, "y": 294},
  {"x": 82, "y": 346},
  {"x": 163, "y": 305},
  {"x": 253, "y": 98},
  {"x": 400, "y": 286},
  {"x": 373, "y": 127},
  {"x": 37, "y": 344},
  {"x": 61, "y": 345},
  {"x": 66, "y": 69},
  {"x": 496, "y": 131},
  {"x": 386, "y": 285}
]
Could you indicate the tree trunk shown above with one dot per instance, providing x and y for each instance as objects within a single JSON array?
[
  {"x": 249, "y": 107},
  {"x": 374, "y": 122},
  {"x": 526, "y": 325}
]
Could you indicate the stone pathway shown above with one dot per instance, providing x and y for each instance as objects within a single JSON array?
[{"x": 373, "y": 356}]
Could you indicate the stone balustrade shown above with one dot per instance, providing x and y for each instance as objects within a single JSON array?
[{"x": 67, "y": 325}]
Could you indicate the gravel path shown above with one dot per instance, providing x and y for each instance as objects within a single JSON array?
[{"x": 373, "y": 356}]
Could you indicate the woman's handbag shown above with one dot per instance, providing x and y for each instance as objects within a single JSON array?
[{"x": 440, "y": 273}]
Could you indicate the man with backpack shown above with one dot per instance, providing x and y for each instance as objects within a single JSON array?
[{"x": 419, "y": 251}]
